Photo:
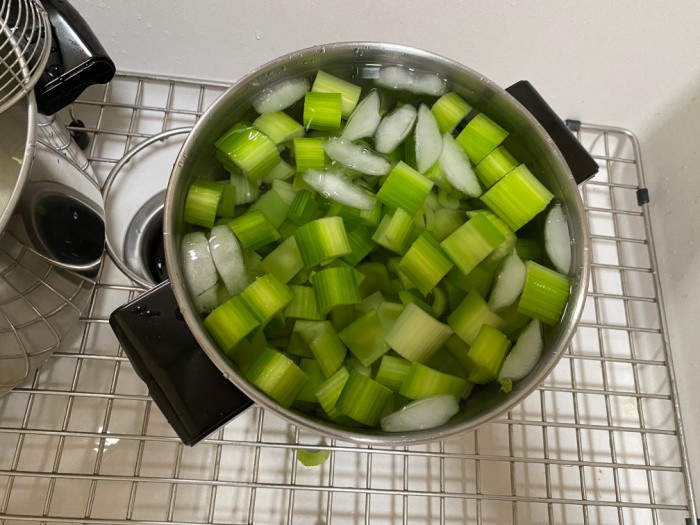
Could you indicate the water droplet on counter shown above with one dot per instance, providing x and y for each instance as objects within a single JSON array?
[{"x": 258, "y": 35}]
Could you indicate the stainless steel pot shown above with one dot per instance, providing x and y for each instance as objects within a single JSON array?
[{"x": 530, "y": 142}]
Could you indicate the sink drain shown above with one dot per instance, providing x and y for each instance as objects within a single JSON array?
[{"x": 143, "y": 244}]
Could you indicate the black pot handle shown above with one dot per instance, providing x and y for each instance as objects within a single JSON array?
[
  {"x": 581, "y": 164},
  {"x": 192, "y": 393},
  {"x": 77, "y": 59}
]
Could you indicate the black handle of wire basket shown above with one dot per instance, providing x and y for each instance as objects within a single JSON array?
[
  {"x": 192, "y": 393},
  {"x": 581, "y": 164},
  {"x": 77, "y": 59}
]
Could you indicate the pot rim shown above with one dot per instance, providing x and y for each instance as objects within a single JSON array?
[{"x": 576, "y": 302}]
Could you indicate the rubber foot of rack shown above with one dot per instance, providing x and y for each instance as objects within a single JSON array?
[
  {"x": 81, "y": 138},
  {"x": 573, "y": 125},
  {"x": 643, "y": 198}
]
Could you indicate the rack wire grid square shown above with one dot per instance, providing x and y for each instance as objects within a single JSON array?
[{"x": 601, "y": 441}]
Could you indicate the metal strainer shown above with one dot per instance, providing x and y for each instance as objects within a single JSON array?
[
  {"x": 24, "y": 48},
  {"x": 51, "y": 216}
]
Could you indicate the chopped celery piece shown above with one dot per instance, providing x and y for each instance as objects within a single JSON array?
[
  {"x": 284, "y": 262},
  {"x": 423, "y": 381},
  {"x": 439, "y": 305},
  {"x": 545, "y": 294},
  {"x": 324, "y": 343},
  {"x": 247, "y": 351},
  {"x": 315, "y": 377},
  {"x": 303, "y": 207},
  {"x": 297, "y": 346},
  {"x": 470, "y": 315},
  {"x": 277, "y": 376},
  {"x": 334, "y": 287},
  {"x": 517, "y": 198},
  {"x": 404, "y": 188},
  {"x": 266, "y": 297},
  {"x": 202, "y": 202},
  {"x": 279, "y": 127},
  {"x": 528, "y": 249},
  {"x": 342, "y": 316},
  {"x": 514, "y": 320},
  {"x": 229, "y": 323},
  {"x": 285, "y": 190},
  {"x": 425, "y": 264},
  {"x": 454, "y": 294},
  {"x": 321, "y": 241},
  {"x": 392, "y": 372},
  {"x": 394, "y": 231},
  {"x": 449, "y": 110},
  {"x": 416, "y": 335},
  {"x": 363, "y": 399},
  {"x": 472, "y": 243},
  {"x": 480, "y": 137},
  {"x": 353, "y": 364},
  {"x": 272, "y": 206},
  {"x": 409, "y": 151},
  {"x": 283, "y": 171},
  {"x": 227, "y": 203},
  {"x": 350, "y": 93},
  {"x": 459, "y": 350},
  {"x": 388, "y": 313},
  {"x": 444, "y": 361},
  {"x": 361, "y": 244},
  {"x": 313, "y": 458},
  {"x": 322, "y": 111},
  {"x": 371, "y": 302},
  {"x": 404, "y": 282},
  {"x": 479, "y": 279},
  {"x": 371, "y": 217},
  {"x": 254, "y": 230},
  {"x": 494, "y": 166},
  {"x": 245, "y": 148},
  {"x": 407, "y": 297},
  {"x": 376, "y": 278},
  {"x": 445, "y": 222},
  {"x": 303, "y": 304},
  {"x": 308, "y": 153},
  {"x": 437, "y": 176},
  {"x": 487, "y": 354},
  {"x": 329, "y": 391},
  {"x": 364, "y": 337},
  {"x": 504, "y": 248}
]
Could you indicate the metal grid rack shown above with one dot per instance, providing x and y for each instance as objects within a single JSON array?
[{"x": 600, "y": 441}]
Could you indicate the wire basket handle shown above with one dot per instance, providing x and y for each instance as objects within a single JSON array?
[{"x": 25, "y": 44}]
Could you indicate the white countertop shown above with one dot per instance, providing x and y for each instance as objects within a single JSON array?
[{"x": 627, "y": 63}]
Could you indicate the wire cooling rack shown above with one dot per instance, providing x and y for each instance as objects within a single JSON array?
[{"x": 600, "y": 441}]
